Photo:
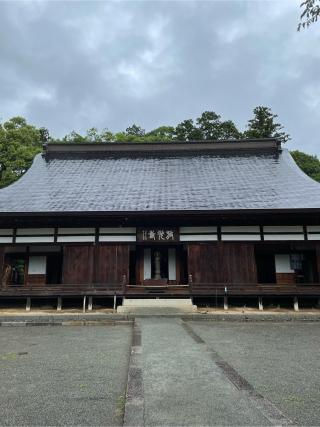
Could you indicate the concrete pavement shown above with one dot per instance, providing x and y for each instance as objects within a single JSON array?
[
  {"x": 63, "y": 375},
  {"x": 184, "y": 386},
  {"x": 164, "y": 371},
  {"x": 280, "y": 360}
]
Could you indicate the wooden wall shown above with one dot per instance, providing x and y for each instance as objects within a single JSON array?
[
  {"x": 222, "y": 263},
  {"x": 1, "y": 263},
  {"x": 87, "y": 264},
  {"x": 36, "y": 279},
  {"x": 78, "y": 264},
  {"x": 286, "y": 278},
  {"x": 317, "y": 248},
  {"x": 111, "y": 263}
]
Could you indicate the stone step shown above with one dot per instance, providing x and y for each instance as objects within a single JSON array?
[
  {"x": 156, "y": 306},
  {"x": 156, "y": 311},
  {"x": 157, "y": 302}
]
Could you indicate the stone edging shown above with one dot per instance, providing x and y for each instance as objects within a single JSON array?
[{"x": 111, "y": 319}]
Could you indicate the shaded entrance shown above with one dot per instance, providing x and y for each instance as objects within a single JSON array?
[{"x": 159, "y": 265}]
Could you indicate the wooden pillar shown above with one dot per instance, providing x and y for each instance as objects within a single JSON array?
[
  {"x": 295, "y": 304},
  {"x": 28, "y": 304},
  {"x": 115, "y": 302},
  {"x": 59, "y": 304},
  {"x": 260, "y": 303},
  {"x": 1, "y": 265},
  {"x": 90, "y": 303},
  {"x": 225, "y": 303}
]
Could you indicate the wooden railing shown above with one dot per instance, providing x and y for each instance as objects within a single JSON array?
[
  {"x": 63, "y": 289},
  {"x": 195, "y": 289},
  {"x": 223, "y": 289}
]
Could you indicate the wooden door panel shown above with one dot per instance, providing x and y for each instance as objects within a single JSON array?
[
  {"x": 112, "y": 262},
  {"x": 78, "y": 264},
  {"x": 222, "y": 263}
]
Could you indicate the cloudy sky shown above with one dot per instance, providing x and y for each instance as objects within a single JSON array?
[{"x": 73, "y": 65}]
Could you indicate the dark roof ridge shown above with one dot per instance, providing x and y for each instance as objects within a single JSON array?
[{"x": 226, "y": 145}]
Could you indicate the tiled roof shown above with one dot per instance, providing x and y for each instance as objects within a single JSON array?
[{"x": 201, "y": 180}]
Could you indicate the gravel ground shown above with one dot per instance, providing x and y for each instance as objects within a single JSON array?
[
  {"x": 281, "y": 360},
  {"x": 63, "y": 375}
]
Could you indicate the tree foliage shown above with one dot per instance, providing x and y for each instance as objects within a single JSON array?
[
  {"x": 310, "y": 13},
  {"x": 308, "y": 163},
  {"x": 263, "y": 125},
  {"x": 19, "y": 143},
  {"x": 207, "y": 127}
]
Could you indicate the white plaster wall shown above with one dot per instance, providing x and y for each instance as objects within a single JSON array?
[
  {"x": 240, "y": 237},
  {"x": 37, "y": 265},
  {"x": 197, "y": 237},
  {"x": 147, "y": 264},
  {"x": 283, "y": 237},
  {"x": 172, "y": 264},
  {"x": 75, "y": 231},
  {"x": 241, "y": 229},
  {"x": 34, "y": 231},
  {"x": 5, "y": 239},
  {"x": 62, "y": 239},
  {"x": 6, "y": 231},
  {"x": 35, "y": 239},
  {"x": 199, "y": 230},
  {"x": 283, "y": 228},
  {"x": 118, "y": 230},
  {"x": 117, "y": 238},
  {"x": 283, "y": 263},
  {"x": 313, "y": 228}
]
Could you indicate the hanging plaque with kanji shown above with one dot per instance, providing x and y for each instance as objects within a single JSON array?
[{"x": 158, "y": 234}]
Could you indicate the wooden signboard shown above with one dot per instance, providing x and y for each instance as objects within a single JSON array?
[{"x": 158, "y": 234}]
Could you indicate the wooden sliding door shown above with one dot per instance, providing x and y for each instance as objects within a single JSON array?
[
  {"x": 78, "y": 264},
  {"x": 111, "y": 263}
]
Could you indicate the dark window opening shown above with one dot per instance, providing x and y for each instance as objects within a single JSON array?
[
  {"x": 284, "y": 266},
  {"x": 132, "y": 266},
  {"x": 54, "y": 268},
  {"x": 266, "y": 268},
  {"x": 14, "y": 270},
  {"x": 184, "y": 265},
  {"x": 304, "y": 266}
]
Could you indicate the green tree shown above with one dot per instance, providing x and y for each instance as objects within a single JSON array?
[
  {"x": 19, "y": 143},
  {"x": 310, "y": 13},
  {"x": 73, "y": 137},
  {"x": 135, "y": 130},
  {"x": 44, "y": 135},
  {"x": 187, "y": 131},
  {"x": 263, "y": 125},
  {"x": 162, "y": 133},
  {"x": 95, "y": 137},
  {"x": 228, "y": 130},
  {"x": 212, "y": 128},
  {"x": 308, "y": 163},
  {"x": 209, "y": 124}
]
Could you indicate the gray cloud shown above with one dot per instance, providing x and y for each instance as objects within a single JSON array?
[{"x": 74, "y": 65}]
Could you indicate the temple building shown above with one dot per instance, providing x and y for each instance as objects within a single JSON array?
[{"x": 194, "y": 219}]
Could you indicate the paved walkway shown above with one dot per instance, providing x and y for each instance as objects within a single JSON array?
[
  {"x": 187, "y": 383},
  {"x": 181, "y": 373}
]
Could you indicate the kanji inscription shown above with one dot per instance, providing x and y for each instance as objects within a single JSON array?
[{"x": 158, "y": 234}]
